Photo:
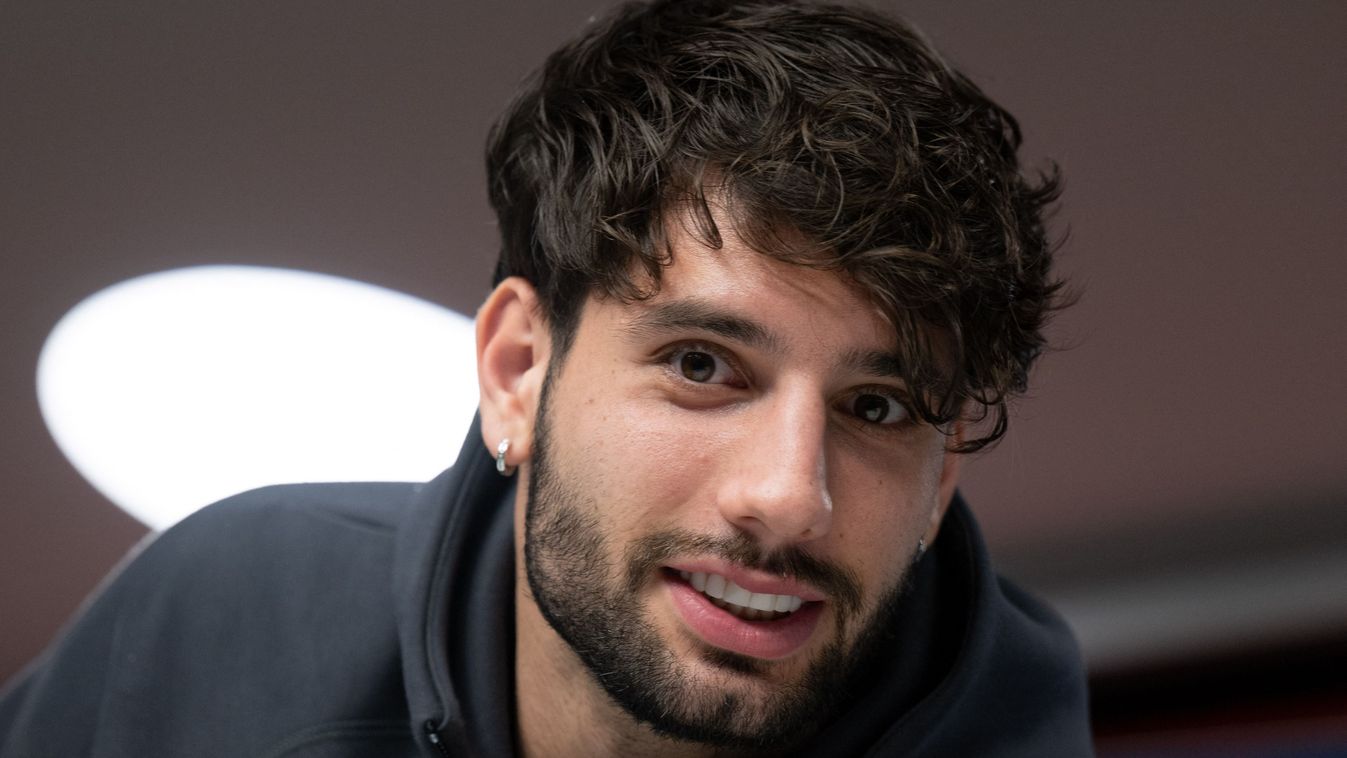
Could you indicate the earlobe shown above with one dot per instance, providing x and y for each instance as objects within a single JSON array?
[{"x": 513, "y": 348}]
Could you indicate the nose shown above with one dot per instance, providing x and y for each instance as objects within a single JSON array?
[{"x": 776, "y": 482}]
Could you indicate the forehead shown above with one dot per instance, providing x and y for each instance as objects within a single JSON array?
[{"x": 797, "y": 306}]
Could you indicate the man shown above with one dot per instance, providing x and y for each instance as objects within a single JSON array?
[{"x": 768, "y": 272}]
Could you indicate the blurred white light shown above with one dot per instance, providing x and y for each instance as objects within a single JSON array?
[{"x": 172, "y": 390}]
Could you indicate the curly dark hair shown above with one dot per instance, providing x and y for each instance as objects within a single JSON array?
[{"x": 835, "y": 137}]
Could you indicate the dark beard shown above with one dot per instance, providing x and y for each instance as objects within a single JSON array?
[{"x": 565, "y": 551}]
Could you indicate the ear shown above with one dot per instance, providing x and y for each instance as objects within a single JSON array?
[
  {"x": 513, "y": 348},
  {"x": 949, "y": 481}
]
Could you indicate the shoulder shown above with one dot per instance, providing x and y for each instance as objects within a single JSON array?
[
  {"x": 366, "y": 507},
  {"x": 293, "y": 520},
  {"x": 272, "y": 608},
  {"x": 286, "y": 545}
]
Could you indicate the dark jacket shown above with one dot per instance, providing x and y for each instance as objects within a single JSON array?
[{"x": 377, "y": 620}]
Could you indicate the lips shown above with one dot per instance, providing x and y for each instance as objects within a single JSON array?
[{"x": 725, "y": 614}]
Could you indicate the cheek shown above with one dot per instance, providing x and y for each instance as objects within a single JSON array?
[
  {"x": 646, "y": 465},
  {"x": 881, "y": 511},
  {"x": 671, "y": 465}
]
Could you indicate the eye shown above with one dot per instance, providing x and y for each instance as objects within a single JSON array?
[
  {"x": 878, "y": 408},
  {"x": 700, "y": 365}
]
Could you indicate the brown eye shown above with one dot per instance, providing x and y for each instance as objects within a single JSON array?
[
  {"x": 697, "y": 366},
  {"x": 877, "y": 409}
]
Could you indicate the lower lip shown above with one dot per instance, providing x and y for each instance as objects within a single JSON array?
[{"x": 768, "y": 640}]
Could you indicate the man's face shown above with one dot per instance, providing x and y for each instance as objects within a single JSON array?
[{"x": 726, "y": 493}]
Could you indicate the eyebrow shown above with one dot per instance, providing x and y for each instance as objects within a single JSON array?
[
  {"x": 698, "y": 315},
  {"x": 875, "y": 363},
  {"x": 695, "y": 314}
]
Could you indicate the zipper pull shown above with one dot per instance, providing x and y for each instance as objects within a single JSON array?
[{"x": 433, "y": 735}]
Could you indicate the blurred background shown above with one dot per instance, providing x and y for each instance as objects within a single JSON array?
[{"x": 1175, "y": 483}]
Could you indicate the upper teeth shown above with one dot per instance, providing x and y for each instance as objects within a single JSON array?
[{"x": 721, "y": 588}]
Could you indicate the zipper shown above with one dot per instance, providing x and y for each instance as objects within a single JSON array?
[{"x": 433, "y": 735}]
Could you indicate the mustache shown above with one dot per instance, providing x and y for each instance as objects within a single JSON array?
[{"x": 654, "y": 550}]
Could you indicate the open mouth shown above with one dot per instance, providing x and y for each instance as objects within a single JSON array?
[
  {"x": 749, "y": 606},
  {"x": 724, "y": 614}
]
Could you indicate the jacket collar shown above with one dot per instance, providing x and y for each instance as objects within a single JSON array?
[{"x": 453, "y": 580}]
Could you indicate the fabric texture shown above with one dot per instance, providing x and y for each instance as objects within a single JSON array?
[{"x": 377, "y": 620}]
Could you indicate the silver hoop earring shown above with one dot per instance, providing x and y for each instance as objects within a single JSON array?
[
  {"x": 501, "y": 450},
  {"x": 921, "y": 548}
]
